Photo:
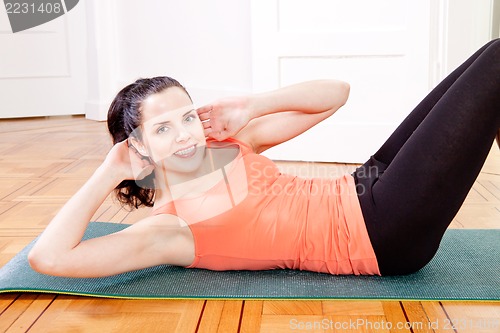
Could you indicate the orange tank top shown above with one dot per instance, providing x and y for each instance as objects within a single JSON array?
[{"x": 258, "y": 218}]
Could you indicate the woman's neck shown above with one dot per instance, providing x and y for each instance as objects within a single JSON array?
[{"x": 171, "y": 185}]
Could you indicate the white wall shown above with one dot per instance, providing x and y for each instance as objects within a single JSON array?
[
  {"x": 381, "y": 47},
  {"x": 43, "y": 69},
  {"x": 469, "y": 27},
  {"x": 206, "y": 45},
  {"x": 495, "y": 26},
  {"x": 203, "y": 44}
]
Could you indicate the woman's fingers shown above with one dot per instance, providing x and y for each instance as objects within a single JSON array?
[
  {"x": 204, "y": 112},
  {"x": 204, "y": 116},
  {"x": 206, "y": 125},
  {"x": 215, "y": 121}
]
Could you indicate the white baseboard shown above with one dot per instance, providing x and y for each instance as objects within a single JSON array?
[{"x": 95, "y": 110}]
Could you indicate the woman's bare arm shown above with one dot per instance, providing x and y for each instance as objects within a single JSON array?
[
  {"x": 267, "y": 119},
  {"x": 61, "y": 251}
]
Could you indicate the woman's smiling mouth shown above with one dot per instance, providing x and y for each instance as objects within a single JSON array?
[{"x": 186, "y": 152}]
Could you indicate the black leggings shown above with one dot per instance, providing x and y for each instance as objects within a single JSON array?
[{"x": 412, "y": 188}]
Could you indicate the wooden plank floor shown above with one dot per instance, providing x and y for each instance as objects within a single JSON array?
[{"x": 43, "y": 161}]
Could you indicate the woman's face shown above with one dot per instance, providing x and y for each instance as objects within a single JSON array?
[{"x": 172, "y": 132}]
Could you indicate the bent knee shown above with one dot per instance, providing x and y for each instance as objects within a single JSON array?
[{"x": 407, "y": 259}]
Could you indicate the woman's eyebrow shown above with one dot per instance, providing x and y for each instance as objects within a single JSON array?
[{"x": 167, "y": 121}]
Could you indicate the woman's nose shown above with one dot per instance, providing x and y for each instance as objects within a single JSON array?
[{"x": 182, "y": 135}]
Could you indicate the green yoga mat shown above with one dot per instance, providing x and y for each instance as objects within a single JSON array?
[{"x": 466, "y": 267}]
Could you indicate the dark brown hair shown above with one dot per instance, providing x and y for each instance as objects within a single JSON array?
[{"x": 124, "y": 116}]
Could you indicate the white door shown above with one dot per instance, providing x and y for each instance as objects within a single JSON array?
[
  {"x": 381, "y": 47},
  {"x": 43, "y": 69}
]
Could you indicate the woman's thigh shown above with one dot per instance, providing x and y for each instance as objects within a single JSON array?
[{"x": 409, "y": 202}]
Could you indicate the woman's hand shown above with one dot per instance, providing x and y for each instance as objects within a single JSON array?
[
  {"x": 125, "y": 162},
  {"x": 226, "y": 117}
]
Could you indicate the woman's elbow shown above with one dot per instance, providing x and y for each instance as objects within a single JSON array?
[
  {"x": 43, "y": 263},
  {"x": 345, "y": 89},
  {"x": 338, "y": 92}
]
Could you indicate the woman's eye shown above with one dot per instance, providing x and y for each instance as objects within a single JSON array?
[
  {"x": 190, "y": 118},
  {"x": 162, "y": 129}
]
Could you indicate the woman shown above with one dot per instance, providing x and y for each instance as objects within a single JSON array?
[{"x": 218, "y": 204}]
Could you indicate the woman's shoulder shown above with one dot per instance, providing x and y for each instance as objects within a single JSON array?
[{"x": 161, "y": 219}]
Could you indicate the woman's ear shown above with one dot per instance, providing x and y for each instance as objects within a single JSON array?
[{"x": 139, "y": 146}]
